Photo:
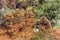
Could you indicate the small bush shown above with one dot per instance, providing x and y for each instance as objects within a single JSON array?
[{"x": 42, "y": 35}]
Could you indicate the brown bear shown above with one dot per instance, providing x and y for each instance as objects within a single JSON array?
[{"x": 45, "y": 24}]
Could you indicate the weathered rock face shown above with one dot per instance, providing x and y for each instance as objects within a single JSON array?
[{"x": 18, "y": 25}]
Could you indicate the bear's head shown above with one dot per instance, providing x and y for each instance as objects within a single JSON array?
[{"x": 43, "y": 20}]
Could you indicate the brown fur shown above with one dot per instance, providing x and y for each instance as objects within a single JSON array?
[{"x": 45, "y": 24}]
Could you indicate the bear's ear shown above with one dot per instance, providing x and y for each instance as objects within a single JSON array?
[{"x": 43, "y": 17}]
